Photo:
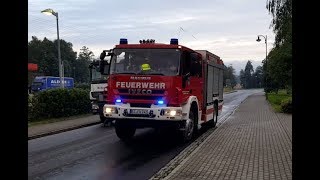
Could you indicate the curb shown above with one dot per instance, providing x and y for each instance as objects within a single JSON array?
[{"x": 62, "y": 130}]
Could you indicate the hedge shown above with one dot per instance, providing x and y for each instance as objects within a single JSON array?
[
  {"x": 84, "y": 86},
  {"x": 56, "y": 103}
]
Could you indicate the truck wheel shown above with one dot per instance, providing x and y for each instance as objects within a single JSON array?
[
  {"x": 216, "y": 114},
  {"x": 124, "y": 131},
  {"x": 213, "y": 122},
  {"x": 190, "y": 127},
  {"x": 102, "y": 118}
]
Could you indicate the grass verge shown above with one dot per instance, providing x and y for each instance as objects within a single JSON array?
[
  {"x": 276, "y": 99},
  {"x": 227, "y": 89}
]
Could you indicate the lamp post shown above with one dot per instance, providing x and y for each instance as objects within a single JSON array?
[
  {"x": 61, "y": 74},
  {"x": 265, "y": 39}
]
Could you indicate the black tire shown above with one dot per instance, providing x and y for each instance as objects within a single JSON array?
[
  {"x": 102, "y": 118},
  {"x": 124, "y": 131},
  {"x": 216, "y": 113},
  {"x": 213, "y": 122},
  {"x": 191, "y": 127},
  {"x": 215, "y": 116}
]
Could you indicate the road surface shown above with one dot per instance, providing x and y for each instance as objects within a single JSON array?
[{"x": 96, "y": 152}]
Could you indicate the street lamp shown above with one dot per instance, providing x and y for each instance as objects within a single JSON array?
[
  {"x": 265, "y": 40},
  {"x": 61, "y": 73}
]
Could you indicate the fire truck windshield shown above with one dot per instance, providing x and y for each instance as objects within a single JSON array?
[{"x": 146, "y": 61}]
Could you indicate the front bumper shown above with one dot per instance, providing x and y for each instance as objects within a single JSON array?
[
  {"x": 97, "y": 107},
  {"x": 155, "y": 112}
]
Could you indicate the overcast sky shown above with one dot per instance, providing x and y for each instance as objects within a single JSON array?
[{"x": 227, "y": 28}]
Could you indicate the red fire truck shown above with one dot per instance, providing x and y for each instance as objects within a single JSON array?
[{"x": 162, "y": 85}]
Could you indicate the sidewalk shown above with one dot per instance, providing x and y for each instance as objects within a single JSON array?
[
  {"x": 61, "y": 126},
  {"x": 255, "y": 143}
]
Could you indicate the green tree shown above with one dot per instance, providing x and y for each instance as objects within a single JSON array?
[
  {"x": 81, "y": 65},
  {"x": 248, "y": 71},
  {"x": 280, "y": 67},
  {"x": 281, "y": 11},
  {"x": 258, "y": 75},
  {"x": 229, "y": 75},
  {"x": 45, "y": 54},
  {"x": 68, "y": 56},
  {"x": 233, "y": 80},
  {"x": 278, "y": 70},
  {"x": 42, "y": 53},
  {"x": 34, "y": 50},
  {"x": 225, "y": 76},
  {"x": 242, "y": 78}
]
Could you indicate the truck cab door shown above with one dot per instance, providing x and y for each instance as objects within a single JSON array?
[{"x": 192, "y": 81}]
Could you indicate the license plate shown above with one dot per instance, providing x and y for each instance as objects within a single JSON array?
[{"x": 139, "y": 111}]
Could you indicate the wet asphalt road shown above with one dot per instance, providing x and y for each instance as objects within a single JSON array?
[{"x": 95, "y": 152}]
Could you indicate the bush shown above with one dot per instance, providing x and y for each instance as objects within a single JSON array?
[
  {"x": 289, "y": 90},
  {"x": 84, "y": 86},
  {"x": 286, "y": 105},
  {"x": 277, "y": 98},
  {"x": 31, "y": 102},
  {"x": 57, "y": 103}
]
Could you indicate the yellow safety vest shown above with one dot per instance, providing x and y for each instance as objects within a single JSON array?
[{"x": 145, "y": 67}]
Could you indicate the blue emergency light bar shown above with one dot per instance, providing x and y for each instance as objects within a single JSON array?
[
  {"x": 174, "y": 41},
  {"x": 123, "y": 41}
]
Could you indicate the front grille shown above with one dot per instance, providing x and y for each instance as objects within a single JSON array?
[
  {"x": 100, "y": 96},
  {"x": 96, "y": 94},
  {"x": 140, "y": 105},
  {"x": 141, "y": 97}
]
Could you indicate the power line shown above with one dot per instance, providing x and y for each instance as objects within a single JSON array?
[{"x": 181, "y": 29}]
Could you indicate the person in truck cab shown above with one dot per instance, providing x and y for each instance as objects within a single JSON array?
[
  {"x": 145, "y": 67},
  {"x": 170, "y": 69}
]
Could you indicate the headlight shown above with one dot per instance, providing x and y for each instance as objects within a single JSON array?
[
  {"x": 111, "y": 110},
  {"x": 172, "y": 112},
  {"x": 95, "y": 106},
  {"x": 108, "y": 110}
]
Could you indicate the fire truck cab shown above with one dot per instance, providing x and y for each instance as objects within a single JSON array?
[{"x": 163, "y": 85}]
